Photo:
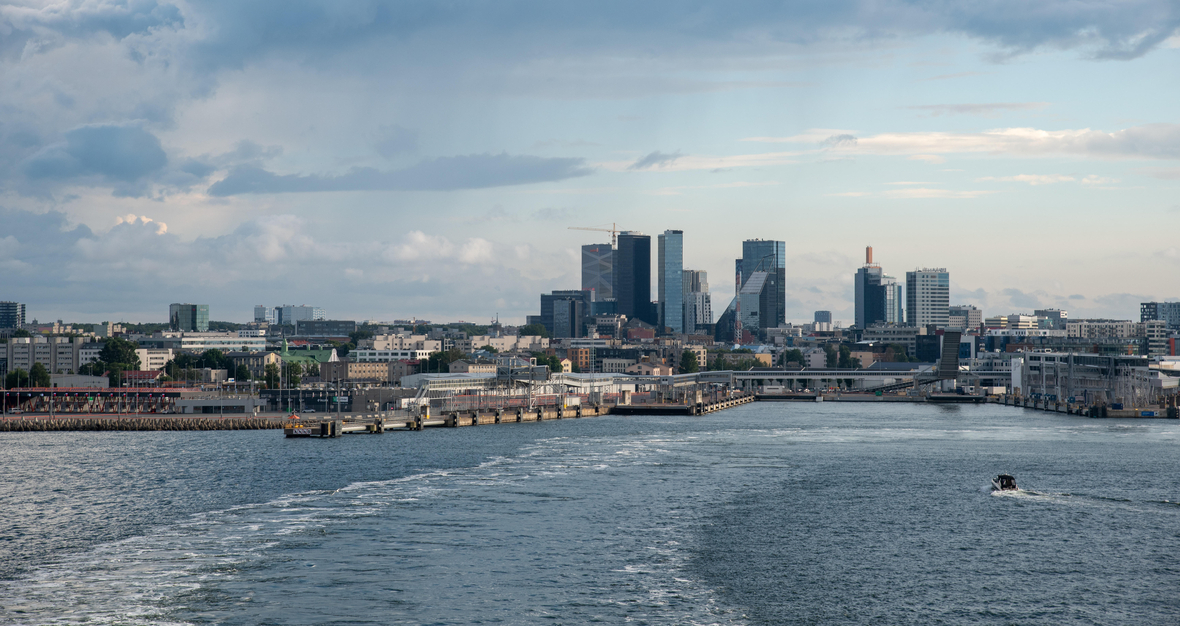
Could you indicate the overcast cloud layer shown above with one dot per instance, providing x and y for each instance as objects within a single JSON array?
[{"x": 388, "y": 159}]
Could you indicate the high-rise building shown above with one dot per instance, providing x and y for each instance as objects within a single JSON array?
[
  {"x": 12, "y": 314},
  {"x": 290, "y": 314},
  {"x": 632, "y": 282},
  {"x": 698, "y": 305},
  {"x": 190, "y": 318},
  {"x": 965, "y": 316},
  {"x": 823, "y": 317},
  {"x": 264, "y": 314},
  {"x": 598, "y": 263},
  {"x": 1150, "y": 311},
  {"x": 770, "y": 257},
  {"x": 928, "y": 294},
  {"x": 670, "y": 280},
  {"x": 1056, "y": 319},
  {"x": 563, "y": 311},
  {"x": 880, "y": 299}
]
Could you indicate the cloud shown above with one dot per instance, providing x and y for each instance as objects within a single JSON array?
[
  {"x": 711, "y": 163},
  {"x": 1020, "y": 299},
  {"x": 1032, "y": 179},
  {"x": 394, "y": 140},
  {"x": 474, "y": 171},
  {"x": 917, "y": 193},
  {"x": 676, "y": 191},
  {"x": 844, "y": 140},
  {"x": 932, "y": 159},
  {"x": 1163, "y": 173},
  {"x": 1150, "y": 141},
  {"x": 655, "y": 159},
  {"x": 117, "y": 152},
  {"x": 985, "y": 109}
]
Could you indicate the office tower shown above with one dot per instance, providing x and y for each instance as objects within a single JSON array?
[
  {"x": 965, "y": 316},
  {"x": 1148, "y": 311},
  {"x": 894, "y": 300},
  {"x": 189, "y": 318},
  {"x": 263, "y": 314},
  {"x": 698, "y": 306},
  {"x": 872, "y": 293},
  {"x": 12, "y": 314},
  {"x": 1056, "y": 319},
  {"x": 562, "y": 311},
  {"x": 770, "y": 257},
  {"x": 290, "y": 314},
  {"x": 632, "y": 284},
  {"x": 670, "y": 280},
  {"x": 598, "y": 262},
  {"x": 823, "y": 317},
  {"x": 928, "y": 294}
]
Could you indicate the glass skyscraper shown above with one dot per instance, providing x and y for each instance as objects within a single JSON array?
[
  {"x": 598, "y": 263},
  {"x": 770, "y": 257},
  {"x": 632, "y": 282},
  {"x": 670, "y": 280},
  {"x": 928, "y": 297}
]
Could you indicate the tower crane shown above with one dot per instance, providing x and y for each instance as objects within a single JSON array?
[{"x": 613, "y": 230}]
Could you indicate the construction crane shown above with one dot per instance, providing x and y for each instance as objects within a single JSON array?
[{"x": 613, "y": 230}]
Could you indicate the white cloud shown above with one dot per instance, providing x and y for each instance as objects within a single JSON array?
[
  {"x": 932, "y": 159},
  {"x": 1149, "y": 141},
  {"x": 476, "y": 250},
  {"x": 689, "y": 163},
  {"x": 916, "y": 193},
  {"x": 1032, "y": 179}
]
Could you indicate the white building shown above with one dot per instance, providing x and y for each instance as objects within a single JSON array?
[{"x": 928, "y": 295}]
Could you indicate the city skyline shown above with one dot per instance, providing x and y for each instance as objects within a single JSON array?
[{"x": 228, "y": 155}]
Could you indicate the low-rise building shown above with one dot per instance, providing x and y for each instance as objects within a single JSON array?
[
  {"x": 616, "y": 366},
  {"x": 347, "y": 370},
  {"x": 649, "y": 369},
  {"x": 463, "y": 366}
]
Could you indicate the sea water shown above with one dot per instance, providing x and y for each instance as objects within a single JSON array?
[{"x": 770, "y": 513}]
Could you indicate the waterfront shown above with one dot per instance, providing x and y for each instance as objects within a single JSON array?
[{"x": 766, "y": 513}]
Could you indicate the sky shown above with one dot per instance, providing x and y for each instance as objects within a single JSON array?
[{"x": 387, "y": 160}]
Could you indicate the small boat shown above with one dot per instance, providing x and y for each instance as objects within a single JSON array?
[{"x": 1004, "y": 482}]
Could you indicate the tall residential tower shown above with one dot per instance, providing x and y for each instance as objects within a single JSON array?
[{"x": 670, "y": 281}]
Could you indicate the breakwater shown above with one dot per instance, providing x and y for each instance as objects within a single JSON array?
[{"x": 109, "y": 423}]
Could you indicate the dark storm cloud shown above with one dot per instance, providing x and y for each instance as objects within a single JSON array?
[
  {"x": 474, "y": 171},
  {"x": 122, "y": 153}
]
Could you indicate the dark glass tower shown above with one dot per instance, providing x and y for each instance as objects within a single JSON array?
[
  {"x": 632, "y": 286},
  {"x": 771, "y": 257}
]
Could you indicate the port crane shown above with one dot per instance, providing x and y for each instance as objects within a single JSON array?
[{"x": 613, "y": 230}]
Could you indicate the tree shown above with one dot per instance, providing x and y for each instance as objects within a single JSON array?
[
  {"x": 832, "y": 356},
  {"x": 294, "y": 374},
  {"x": 214, "y": 359},
  {"x": 553, "y": 362},
  {"x": 440, "y": 361},
  {"x": 846, "y": 360},
  {"x": 39, "y": 376},
  {"x": 357, "y": 335},
  {"x": 574, "y": 369},
  {"x": 16, "y": 378},
  {"x": 121, "y": 351},
  {"x": 489, "y": 348},
  {"x": 896, "y": 353},
  {"x": 20, "y": 332},
  {"x": 115, "y": 374},
  {"x": 794, "y": 355},
  {"x": 314, "y": 369},
  {"x": 533, "y": 329},
  {"x": 271, "y": 375},
  {"x": 688, "y": 362},
  {"x": 242, "y": 373}
]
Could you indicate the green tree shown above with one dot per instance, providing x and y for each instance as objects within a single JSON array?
[
  {"x": 833, "y": 357},
  {"x": 121, "y": 351},
  {"x": 214, "y": 359},
  {"x": 794, "y": 355},
  {"x": 440, "y": 361},
  {"x": 896, "y": 353},
  {"x": 294, "y": 374},
  {"x": 115, "y": 374},
  {"x": 20, "y": 332},
  {"x": 574, "y": 369},
  {"x": 688, "y": 362},
  {"x": 271, "y": 375},
  {"x": 553, "y": 362},
  {"x": 39, "y": 376},
  {"x": 533, "y": 329},
  {"x": 242, "y": 373},
  {"x": 95, "y": 368},
  {"x": 16, "y": 378},
  {"x": 357, "y": 335},
  {"x": 489, "y": 348},
  {"x": 846, "y": 360},
  {"x": 313, "y": 369}
]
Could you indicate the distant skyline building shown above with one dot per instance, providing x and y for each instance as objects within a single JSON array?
[
  {"x": 562, "y": 311},
  {"x": 771, "y": 257},
  {"x": 965, "y": 316},
  {"x": 878, "y": 297},
  {"x": 823, "y": 317},
  {"x": 1056, "y": 319},
  {"x": 189, "y": 318},
  {"x": 670, "y": 280},
  {"x": 263, "y": 314},
  {"x": 1168, "y": 312},
  {"x": 289, "y": 314},
  {"x": 698, "y": 305},
  {"x": 12, "y": 314},
  {"x": 598, "y": 262},
  {"x": 632, "y": 276},
  {"x": 928, "y": 297}
]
